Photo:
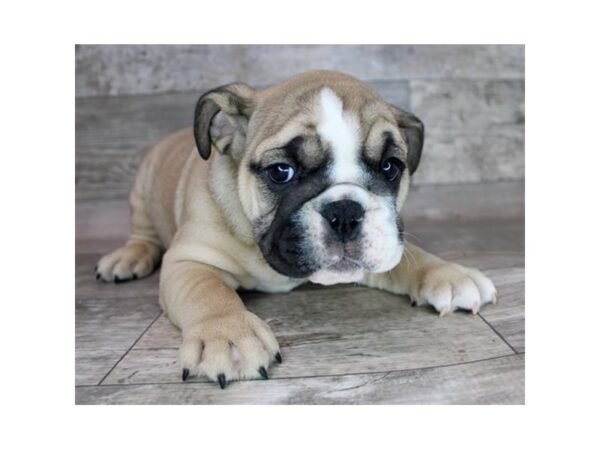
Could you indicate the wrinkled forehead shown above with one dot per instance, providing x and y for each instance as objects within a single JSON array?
[{"x": 342, "y": 119}]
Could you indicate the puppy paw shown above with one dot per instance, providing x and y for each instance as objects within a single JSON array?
[
  {"x": 136, "y": 259},
  {"x": 236, "y": 346},
  {"x": 448, "y": 287}
]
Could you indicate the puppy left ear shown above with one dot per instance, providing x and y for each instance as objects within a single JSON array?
[
  {"x": 221, "y": 118},
  {"x": 413, "y": 132}
]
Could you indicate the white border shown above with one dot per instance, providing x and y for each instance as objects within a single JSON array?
[{"x": 38, "y": 223}]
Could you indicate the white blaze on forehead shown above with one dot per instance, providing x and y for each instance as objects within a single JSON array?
[{"x": 340, "y": 130}]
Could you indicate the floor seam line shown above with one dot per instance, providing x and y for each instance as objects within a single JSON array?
[
  {"x": 499, "y": 335},
  {"x": 464, "y": 363},
  {"x": 129, "y": 349}
]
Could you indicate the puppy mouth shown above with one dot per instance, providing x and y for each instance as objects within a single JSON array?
[{"x": 346, "y": 264}]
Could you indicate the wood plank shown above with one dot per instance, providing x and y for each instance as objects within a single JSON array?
[
  {"x": 108, "y": 320},
  {"x": 487, "y": 262},
  {"x": 101, "y": 220},
  {"x": 91, "y": 365},
  {"x": 113, "y": 324},
  {"x": 135, "y": 69},
  {"x": 473, "y": 128},
  {"x": 508, "y": 316},
  {"x": 468, "y": 236},
  {"x": 476, "y": 201},
  {"x": 494, "y": 381},
  {"x": 102, "y": 337},
  {"x": 475, "y": 105},
  {"x": 324, "y": 331},
  {"x": 464, "y": 156},
  {"x": 114, "y": 133},
  {"x": 333, "y": 331}
]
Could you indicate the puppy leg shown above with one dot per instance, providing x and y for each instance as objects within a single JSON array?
[
  {"x": 221, "y": 338},
  {"x": 430, "y": 280},
  {"x": 141, "y": 253}
]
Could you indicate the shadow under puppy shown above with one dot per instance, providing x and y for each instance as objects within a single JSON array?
[{"x": 302, "y": 181}]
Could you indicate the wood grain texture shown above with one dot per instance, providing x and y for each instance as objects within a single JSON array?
[
  {"x": 493, "y": 381},
  {"x": 463, "y": 156},
  {"x": 142, "y": 69},
  {"x": 91, "y": 365},
  {"x": 342, "y": 344},
  {"x": 333, "y": 331},
  {"x": 113, "y": 324},
  {"x": 475, "y": 105},
  {"x": 108, "y": 320},
  {"x": 508, "y": 317},
  {"x": 114, "y": 133},
  {"x": 473, "y": 202}
]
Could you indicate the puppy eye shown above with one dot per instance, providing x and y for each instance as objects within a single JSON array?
[
  {"x": 392, "y": 168},
  {"x": 280, "y": 173}
]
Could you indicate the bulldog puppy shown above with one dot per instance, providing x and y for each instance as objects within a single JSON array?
[{"x": 303, "y": 181}]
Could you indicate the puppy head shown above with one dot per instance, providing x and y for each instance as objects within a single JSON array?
[{"x": 323, "y": 166}]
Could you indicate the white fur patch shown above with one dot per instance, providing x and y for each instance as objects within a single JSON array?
[
  {"x": 378, "y": 247},
  {"x": 340, "y": 130}
]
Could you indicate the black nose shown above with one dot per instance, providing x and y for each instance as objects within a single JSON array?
[{"x": 345, "y": 218}]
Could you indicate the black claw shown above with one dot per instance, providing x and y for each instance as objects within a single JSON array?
[
  {"x": 96, "y": 268},
  {"x": 185, "y": 374},
  {"x": 263, "y": 373},
  {"x": 134, "y": 277},
  {"x": 117, "y": 280},
  {"x": 278, "y": 357},
  {"x": 98, "y": 276},
  {"x": 221, "y": 379},
  {"x": 413, "y": 303}
]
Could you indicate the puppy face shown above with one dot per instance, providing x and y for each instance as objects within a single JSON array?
[{"x": 323, "y": 167}]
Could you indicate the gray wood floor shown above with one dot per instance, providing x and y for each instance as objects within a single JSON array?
[{"x": 341, "y": 345}]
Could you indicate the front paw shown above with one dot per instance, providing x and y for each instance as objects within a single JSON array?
[
  {"x": 448, "y": 287},
  {"x": 230, "y": 347}
]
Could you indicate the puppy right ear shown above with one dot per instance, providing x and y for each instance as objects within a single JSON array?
[{"x": 221, "y": 118}]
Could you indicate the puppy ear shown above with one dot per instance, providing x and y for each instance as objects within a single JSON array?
[
  {"x": 221, "y": 118},
  {"x": 413, "y": 132}
]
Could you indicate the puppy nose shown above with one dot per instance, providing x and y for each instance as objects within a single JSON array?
[{"x": 345, "y": 218}]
